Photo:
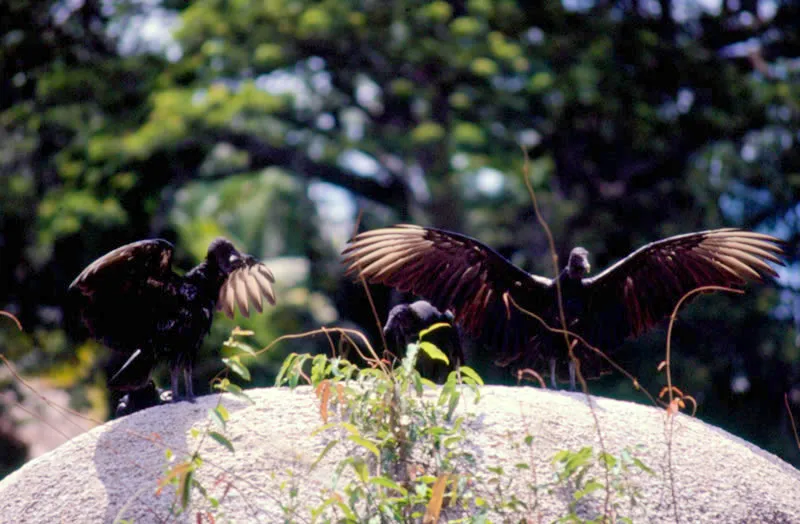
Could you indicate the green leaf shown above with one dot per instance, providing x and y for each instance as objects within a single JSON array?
[
  {"x": 608, "y": 459},
  {"x": 325, "y": 428},
  {"x": 485, "y": 67},
  {"x": 236, "y": 391},
  {"x": 433, "y": 327},
  {"x": 237, "y": 367},
  {"x": 360, "y": 467},
  {"x": 236, "y": 344},
  {"x": 350, "y": 427},
  {"x": 641, "y": 465},
  {"x": 588, "y": 489},
  {"x": 324, "y": 452},
  {"x": 186, "y": 489},
  {"x": 287, "y": 362},
  {"x": 221, "y": 439},
  {"x": 433, "y": 352},
  {"x": 427, "y": 132},
  {"x": 366, "y": 444},
  {"x": 390, "y": 484},
  {"x": 450, "y": 442},
  {"x": 219, "y": 417},
  {"x": 560, "y": 456},
  {"x": 427, "y": 382},
  {"x": 471, "y": 374}
]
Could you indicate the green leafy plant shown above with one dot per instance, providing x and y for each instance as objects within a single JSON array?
[
  {"x": 574, "y": 472},
  {"x": 409, "y": 439}
]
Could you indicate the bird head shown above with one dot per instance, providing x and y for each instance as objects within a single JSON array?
[
  {"x": 223, "y": 255},
  {"x": 578, "y": 265}
]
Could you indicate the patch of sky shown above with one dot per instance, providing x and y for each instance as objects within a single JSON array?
[
  {"x": 529, "y": 138},
  {"x": 578, "y": 5},
  {"x": 749, "y": 153},
  {"x": 146, "y": 27},
  {"x": 336, "y": 208},
  {"x": 535, "y": 35},
  {"x": 459, "y": 161},
  {"x": 354, "y": 122},
  {"x": 489, "y": 181},
  {"x": 789, "y": 276},
  {"x": 509, "y": 84},
  {"x": 368, "y": 94},
  {"x": 325, "y": 122},
  {"x": 361, "y": 164},
  {"x": 497, "y": 129},
  {"x": 283, "y": 82},
  {"x": 741, "y": 200}
]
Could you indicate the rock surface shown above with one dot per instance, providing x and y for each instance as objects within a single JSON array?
[{"x": 112, "y": 472}]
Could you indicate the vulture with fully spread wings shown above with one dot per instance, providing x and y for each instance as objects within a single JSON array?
[
  {"x": 460, "y": 274},
  {"x": 133, "y": 302}
]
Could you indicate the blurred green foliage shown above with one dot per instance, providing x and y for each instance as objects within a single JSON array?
[{"x": 275, "y": 122}]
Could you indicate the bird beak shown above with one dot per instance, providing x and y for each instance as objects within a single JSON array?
[{"x": 233, "y": 259}]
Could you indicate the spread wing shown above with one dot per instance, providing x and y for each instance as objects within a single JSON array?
[
  {"x": 635, "y": 293},
  {"x": 248, "y": 284},
  {"x": 454, "y": 272},
  {"x": 122, "y": 294}
]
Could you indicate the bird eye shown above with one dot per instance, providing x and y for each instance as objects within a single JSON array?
[{"x": 233, "y": 258}]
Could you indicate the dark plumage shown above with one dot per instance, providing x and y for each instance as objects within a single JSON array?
[
  {"x": 133, "y": 302},
  {"x": 403, "y": 325},
  {"x": 459, "y": 273}
]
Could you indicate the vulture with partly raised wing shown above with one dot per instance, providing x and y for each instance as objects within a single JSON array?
[
  {"x": 460, "y": 274},
  {"x": 132, "y": 301}
]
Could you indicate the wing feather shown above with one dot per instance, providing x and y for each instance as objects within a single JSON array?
[
  {"x": 238, "y": 279},
  {"x": 122, "y": 294},
  {"x": 644, "y": 287},
  {"x": 246, "y": 285},
  {"x": 452, "y": 271},
  {"x": 254, "y": 291},
  {"x": 265, "y": 279}
]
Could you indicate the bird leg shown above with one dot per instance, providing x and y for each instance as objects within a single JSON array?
[
  {"x": 572, "y": 374},
  {"x": 187, "y": 378},
  {"x": 572, "y": 367},
  {"x": 553, "y": 373},
  {"x": 173, "y": 376}
]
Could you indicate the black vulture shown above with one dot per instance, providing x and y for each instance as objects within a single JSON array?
[
  {"x": 403, "y": 326},
  {"x": 460, "y": 274},
  {"x": 132, "y": 301}
]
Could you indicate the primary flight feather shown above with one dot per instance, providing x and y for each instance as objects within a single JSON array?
[{"x": 460, "y": 274}]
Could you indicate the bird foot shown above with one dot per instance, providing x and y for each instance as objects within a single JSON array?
[{"x": 168, "y": 397}]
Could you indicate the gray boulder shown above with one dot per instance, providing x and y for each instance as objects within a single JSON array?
[{"x": 114, "y": 472}]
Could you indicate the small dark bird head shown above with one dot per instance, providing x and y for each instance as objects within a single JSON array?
[
  {"x": 578, "y": 265},
  {"x": 224, "y": 256}
]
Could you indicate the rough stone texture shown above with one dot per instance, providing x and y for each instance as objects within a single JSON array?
[{"x": 113, "y": 470}]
